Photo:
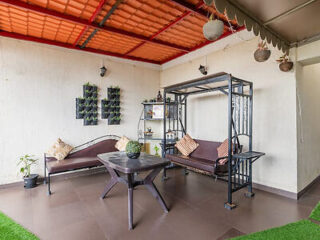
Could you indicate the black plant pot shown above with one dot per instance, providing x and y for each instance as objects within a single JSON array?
[
  {"x": 94, "y": 122},
  {"x": 111, "y": 90},
  {"x": 105, "y": 115},
  {"x": 87, "y": 122},
  {"x": 80, "y": 101},
  {"x": 133, "y": 155},
  {"x": 31, "y": 181},
  {"x": 94, "y": 94},
  {"x": 117, "y": 122},
  {"x": 86, "y": 87},
  {"x": 80, "y": 115},
  {"x": 88, "y": 101}
]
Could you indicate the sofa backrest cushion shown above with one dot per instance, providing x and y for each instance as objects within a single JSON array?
[
  {"x": 206, "y": 150},
  {"x": 104, "y": 146}
]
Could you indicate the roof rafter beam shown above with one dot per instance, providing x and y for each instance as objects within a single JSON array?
[
  {"x": 92, "y": 18},
  {"x": 106, "y": 17},
  {"x": 184, "y": 15},
  {"x": 69, "y": 18},
  {"x": 70, "y": 46}
]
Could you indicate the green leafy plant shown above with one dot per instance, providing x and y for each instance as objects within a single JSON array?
[
  {"x": 156, "y": 148},
  {"x": 27, "y": 161},
  {"x": 133, "y": 147},
  {"x": 87, "y": 84}
]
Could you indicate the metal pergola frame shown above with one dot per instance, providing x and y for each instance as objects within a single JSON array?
[{"x": 240, "y": 108}]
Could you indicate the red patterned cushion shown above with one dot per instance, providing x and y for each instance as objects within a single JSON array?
[
  {"x": 186, "y": 145},
  {"x": 223, "y": 149}
]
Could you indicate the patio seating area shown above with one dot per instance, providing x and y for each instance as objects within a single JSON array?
[{"x": 159, "y": 119}]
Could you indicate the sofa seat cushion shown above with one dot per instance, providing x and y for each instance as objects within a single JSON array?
[
  {"x": 72, "y": 163},
  {"x": 198, "y": 163}
]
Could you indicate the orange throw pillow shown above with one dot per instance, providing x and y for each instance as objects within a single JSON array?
[{"x": 186, "y": 145}]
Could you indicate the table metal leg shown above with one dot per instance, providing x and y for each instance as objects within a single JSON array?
[
  {"x": 113, "y": 181},
  {"x": 148, "y": 182},
  {"x": 130, "y": 199}
]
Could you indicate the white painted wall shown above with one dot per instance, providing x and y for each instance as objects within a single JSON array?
[
  {"x": 38, "y": 87},
  {"x": 274, "y": 122},
  {"x": 308, "y": 119}
]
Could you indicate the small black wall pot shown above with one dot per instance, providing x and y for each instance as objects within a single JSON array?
[{"x": 31, "y": 181}]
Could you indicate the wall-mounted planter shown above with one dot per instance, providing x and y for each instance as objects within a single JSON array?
[
  {"x": 110, "y": 108},
  {"x": 87, "y": 107}
]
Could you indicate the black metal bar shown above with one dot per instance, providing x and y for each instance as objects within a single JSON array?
[
  {"x": 45, "y": 169},
  {"x": 250, "y": 139},
  {"x": 49, "y": 189},
  {"x": 221, "y": 89},
  {"x": 185, "y": 115},
  {"x": 230, "y": 143},
  {"x": 106, "y": 17},
  {"x": 199, "y": 82}
]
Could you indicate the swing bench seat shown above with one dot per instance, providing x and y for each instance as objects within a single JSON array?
[{"x": 204, "y": 159}]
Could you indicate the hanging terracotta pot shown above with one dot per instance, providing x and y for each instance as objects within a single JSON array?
[
  {"x": 285, "y": 64},
  {"x": 208, "y": 2},
  {"x": 262, "y": 54},
  {"x": 213, "y": 29}
]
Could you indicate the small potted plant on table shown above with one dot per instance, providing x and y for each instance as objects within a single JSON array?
[
  {"x": 30, "y": 180},
  {"x": 133, "y": 149}
]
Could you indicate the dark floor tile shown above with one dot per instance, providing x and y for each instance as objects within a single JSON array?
[
  {"x": 231, "y": 233},
  {"x": 196, "y": 202}
]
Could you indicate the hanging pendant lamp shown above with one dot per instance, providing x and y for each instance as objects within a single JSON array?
[{"x": 213, "y": 29}]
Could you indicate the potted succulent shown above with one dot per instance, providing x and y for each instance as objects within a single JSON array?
[
  {"x": 133, "y": 149},
  {"x": 30, "y": 180},
  {"x": 105, "y": 115},
  {"x": 168, "y": 99},
  {"x": 94, "y": 121},
  {"x": 285, "y": 63},
  {"x": 80, "y": 101},
  {"x": 262, "y": 54},
  {"x": 145, "y": 100},
  {"x": 117, "y": 120},
  {"x": 80, "y": 114},
  {"x": 87, "y": 121}
]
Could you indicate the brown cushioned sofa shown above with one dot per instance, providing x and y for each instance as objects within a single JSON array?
[
  {"x": 204, "y": 159},
  {"x": 83, "y": 156}
]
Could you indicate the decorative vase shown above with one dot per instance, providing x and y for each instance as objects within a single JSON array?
[
  {"x": 31, "y": 181},
  {"x": 133, "y": 155},
  {"x": 262, "y": 55},
  {"x": 286, "y": 66},
  {"x": 213, "y": 29}
]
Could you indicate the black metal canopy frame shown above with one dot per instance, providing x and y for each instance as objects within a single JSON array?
[{"x": 240, "y": 106}]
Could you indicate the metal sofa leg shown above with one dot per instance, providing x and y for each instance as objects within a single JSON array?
[
  {"x": 49, "y": 190},
  {"x": 164, "y": 174},
  {"x": 185, "y": 171},
  {"x": 45, "y": 170}
]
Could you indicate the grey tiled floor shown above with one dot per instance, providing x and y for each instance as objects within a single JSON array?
[{"x": 75, "y": 211}]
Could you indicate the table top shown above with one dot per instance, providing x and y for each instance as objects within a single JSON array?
[{"x": 120, "y": 162}]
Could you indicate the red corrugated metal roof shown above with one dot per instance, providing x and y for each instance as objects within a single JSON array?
[{"x": 145, "y": 30}]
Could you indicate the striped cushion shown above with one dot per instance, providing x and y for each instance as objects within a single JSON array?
[
  {"x": 223, "y": 149},
  {"x": 186, "y": 145}
]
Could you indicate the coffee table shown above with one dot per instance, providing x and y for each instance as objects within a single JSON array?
[{"x": 116, "y": 162}]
